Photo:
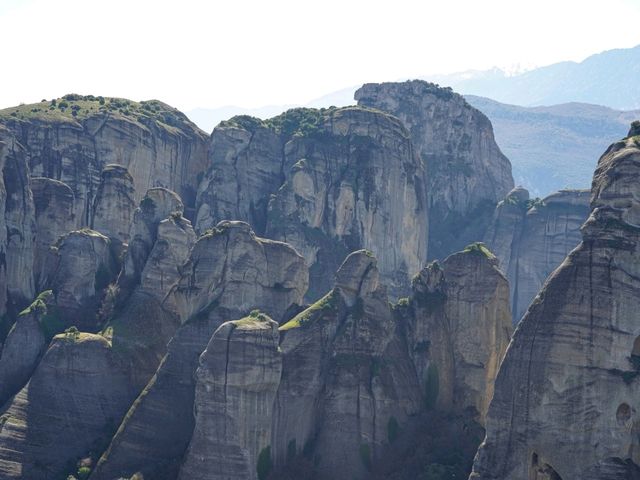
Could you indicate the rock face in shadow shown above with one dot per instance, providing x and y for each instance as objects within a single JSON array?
[
  {"x": 565, "y": 399},
  {"x": 467, "y": 174},
  {"x": 114, "y": 203},
  {"x": 532, "y": 237},
  {"x": 157, "y": 144},
  {"x": 54, "y": 218},
  {"x": 459, "y": 330},
  {"x": 230, "y": 272},
  {"x": 346, "y": 375},
  {"x": 17, "y": 226},
  {"x": 60, "y": 415},
  {"x": 82, "y": 266},
  {"x": 236, "y": 386},
  {"x": 326, "y": 181}
]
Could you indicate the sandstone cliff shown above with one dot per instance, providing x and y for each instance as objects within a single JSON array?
[
  {"x": 466, "y": 172},
  {"x": 17, "y": 226},
  {"x": 458, "y": 330},
  {"x": 532, "y": 237},
  {"x": 230, "y": 272},
  {"x": 326, "y": 181},
  {"x": 114, "y": 204},
  {"x": 73, "y": 138},
  {"x": 566, "y": 396}
]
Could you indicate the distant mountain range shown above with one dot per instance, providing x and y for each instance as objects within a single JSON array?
[
  {"x": 554, "y": 147},
  {"x": 550, "y": 147},
  {"x": 609, "y": 78}
]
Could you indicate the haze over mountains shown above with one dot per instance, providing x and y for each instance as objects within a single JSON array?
[{"x": 551, "y": 122}]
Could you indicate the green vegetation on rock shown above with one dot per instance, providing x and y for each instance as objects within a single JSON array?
[
  {"x": 479, "y": 248},
  {"x": 264, "y": 464},
  {"x": 325, "y": 303},
  {"x": 74, "y": 108}
]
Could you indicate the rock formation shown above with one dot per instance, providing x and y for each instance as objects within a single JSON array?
[
  {"x": 17, "y": 226},
  {"x": 83, "y": 266},
  {"x": 73, "y": 138},
  {"x": 467, "y": 174},
  {"x": 565, "y": 399},
  {"x": 63, "y": 412},
  {"x": 326, "y": 181},
  {"x": 532, "y": 237},
  {"x": 114, "y": 204},
  {"x": 230, "y": 272},
  {"x": 459, "y": 328},
  {"x": 54, "y": 218},
  {"x": 236, "y": 386}
]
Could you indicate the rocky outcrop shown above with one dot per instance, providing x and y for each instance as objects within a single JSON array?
[
  {"x": 532, "y": 237},
  {"x": 73, "y": 138},
  {"x": 75, "y": 398},
  {"x": 114, "y": 204},
  {"x": 83, "y": 266},
  {"x": 467, "y": 174},
  {"x": 54, "y": 218},
  {"x": 236, "y": 387},
  {"x": 346, "y": 375},
  {"x": 230, "y": 272},
  {"x": 459, "y": 326},
  {"x": 326, "y": 181},
  {"x": 157, "y": 205},
  {"x": 565, "y": 399},
  {"x": 17, "y": 226},
  {"x": 245, "y": 158},
  {"x": 25, "y": 344}
]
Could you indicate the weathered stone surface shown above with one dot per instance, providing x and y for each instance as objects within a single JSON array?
[
  {"x": 334, "y": 180},
  {"x": 23, "y": 347},
  {"x": 467, "y": 174},
  {"x": 245, "y": 160},
  {"x": 114, "y": 203},
  {"x": 17, "y": 226},
  {"x": 237, "y": 380},
  {"x": 83, "y": 267},
  {"x": 76, "y": 396},
  {"x": 565, "y": 399},
  {"x": 345, "y": 376},
  {"x": 459, "y": 330},
  {"x": 230, "y": 273},
  {"x": 532, "y": 237},
  {"x": 157, "y": 144},
  {"x": 54, "y": 218},
  {"x": 157, "y": 205}
]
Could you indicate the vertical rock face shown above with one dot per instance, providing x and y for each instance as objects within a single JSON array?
[
  {"x": 339, "y": 391},
  {"x": 157, "y": 144},
  {"x": 467, "y": 174},
  {"x": 17, "y": 225},
  {"x": 114, "y": 204},
  {"x": 532, "y": 237},
  {"x": 334, "y": 181},
  {"x": 565, "y": 399},
  {"x": 61, "y": 414},
  {"x": 230, "y": 272},
  {"x": 459, "y": 329},
  {"x": 246, "y": 168},
  {"x": 236, "y": 386},
  {"x": 82, "y": 267},
  {"x": 54, "y": 218},
  {"x": 157, "y": 205},
  {"x": 24, "y": 344}
]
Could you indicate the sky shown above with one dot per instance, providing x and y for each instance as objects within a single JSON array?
[{"x": 251, "y": 53}]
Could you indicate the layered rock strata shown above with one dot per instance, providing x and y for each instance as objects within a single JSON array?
[
  {"x": 466, "y": 172},
  {"x": 532, "y": 237},
  {"x": 326, "y": 181},
  {"x": 565, "y": 398}
]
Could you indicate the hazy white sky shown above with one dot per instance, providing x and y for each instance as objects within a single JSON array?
[{"x": 250, "y": 53}]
